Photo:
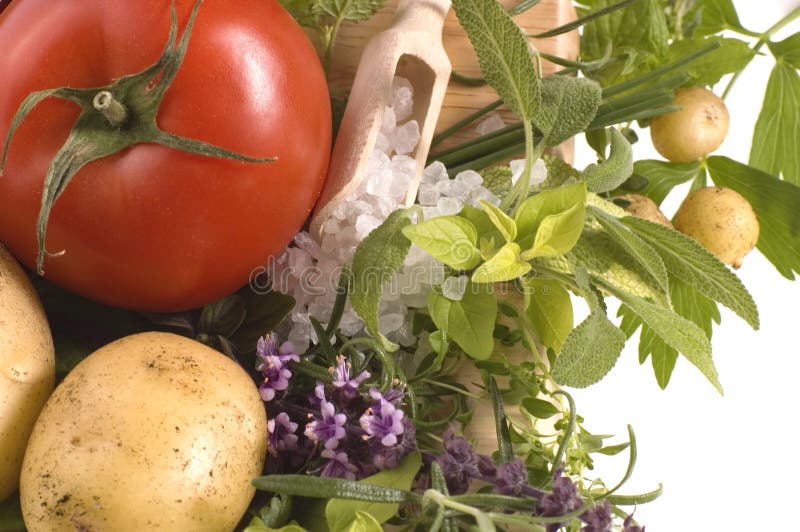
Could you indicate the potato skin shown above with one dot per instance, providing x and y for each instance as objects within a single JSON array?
[
  {"x": 151, "y": 432},
  {"x": 721, "y": 220},
  {"x": 694, "y": 131},
  {"x": 643, "y": 207},
  {"x": 27, "y": 367}
]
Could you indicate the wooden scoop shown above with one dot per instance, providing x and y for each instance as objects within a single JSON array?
[{"x": 411, "y": 48}]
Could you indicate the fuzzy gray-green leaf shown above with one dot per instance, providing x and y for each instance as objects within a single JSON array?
[
  {"x": 612, "y": 172},
  {"x": 589, "y": 352},
  {"x": 568, "y": 107},
  {"x": 503, "y": 54}
]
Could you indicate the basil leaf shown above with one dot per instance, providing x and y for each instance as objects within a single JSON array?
[
  {"x": 377, "y": 258},
  {"x": 612, "y": 172},
  {"x": 589, "y": 352},
  {"x": 635, "y": 246},
  {"x": 787, "y": 50},
  {"x": 505, "y": 265},
  {"x": 776, "y": 205},
  {"x": 469, "y": 322},
  {"x": 662, "y": 176},
  {"x": 717, "y": 15},
  {"x": 568, "y": 107},
  {"x": 448, "y": 239},
  {"x": 558, "y": 233},
  {"x": 548, "y": 307},
  {"x": 535, "y": 209},
  {"x": 692, "y": 263},
  {"x": 503, "y": 54},
  {"x": 776, "y": 135},
  {"x": 479, "y": 219},
  {"x": 504, "y": 224},
  {"x": 341, "y": 514}
]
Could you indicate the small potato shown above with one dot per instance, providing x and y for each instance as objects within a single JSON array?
[
  {"x": 721, "y": 220},
  {"x": 694, "y": 131},
  {"x": 642, "y": 207},
  {"x": 151, "y": 432},
  {"x": 27, "y": 367}
]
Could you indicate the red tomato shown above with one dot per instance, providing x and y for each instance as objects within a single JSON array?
[{"x": 153, "y": 228}]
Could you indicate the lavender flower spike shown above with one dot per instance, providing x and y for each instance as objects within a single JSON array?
[
  {"x": 276, "y": 377},
  {"x": 267, "y": 346},
  {"x": 338, "y": 465},
  {"x": 383, "y": 421},
  {"x": 598, "y": 518},
  {"x": 343, "y": 381},
  {"x": 282, "y": 435},
  {"x": 329, "y": 428}
]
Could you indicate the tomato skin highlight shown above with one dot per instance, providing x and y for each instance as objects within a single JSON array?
[{"x": 153, "y": 228}]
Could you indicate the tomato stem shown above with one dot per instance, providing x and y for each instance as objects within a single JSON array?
[{"x": 114, "y": 112}]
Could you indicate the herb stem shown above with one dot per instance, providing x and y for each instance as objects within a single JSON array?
[
  {"x": 764, "y": 39},
  {"x": 465, "y": 122},
  {"x": 573, "y": 421},
  {"x": 481, "y": 519},
  {"x": 452, "y": 388}
]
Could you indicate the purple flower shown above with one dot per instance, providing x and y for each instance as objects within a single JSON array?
[
  {"x": 511, "y": 478},
  {"x": 454, "y": 476},
  {"x": 389, "y": 457},
  {"x": 282, "y": 435},
  {"x": 629, "y": 526},
  {"x": 329, "y": 427},
  {"x": 267, "y": 346},
  {"x": 383, "y": 421},
  {"x": 342, "y": 380},
  {"x": 276, "y": 377},
  {"x": 461, "y": 451},
  {"x": 562, "y": 500},
  {"x": 597, "y": 518},
  {"x": 338, "y": 465}
]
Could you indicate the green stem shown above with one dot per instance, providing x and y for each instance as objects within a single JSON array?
[
  {"x": 465, "y": 122},
  {"x": 573, "y": 421},
  {"x": 114, "y": 112},
  {"x": 455, "y": 389},
  {"x": 471, "y": 81},
  {"x": 764, "y": 39},
  {"x": 481, "y": 519}
]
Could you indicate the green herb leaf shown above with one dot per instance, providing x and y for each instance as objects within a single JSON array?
[
  {"x": 776, "y": 135},
  {"x": 662, "y": 176},
  {"x": 503, "y": 54},
  {"x": 535, "y": 209},
  {"x": 787, "y": 50},
  {"x": 589, "y": 352},
  {"x": 558, "y": 172},
  {"x": 353, "y": 10},
  {"x": 776, "y": 205},
  {"x": 558, "y": 233},
  {"x": 568, "y": 107},
  {"x": 364, "y": 522},
  {"x": 222, "y": 317},
  {"x": 341, "y": 514},
  {"x": 480, "y": 220},
  {"x": 504, "y": 265},
  {"x": 693, "y": 264},
  {"x": 548, "y": 307},
  {"x": 257, "y": 525},
  {"x": 498, "y": 180},
  {"x": 612, "y": 172},
  {"x": 302, "y": 11},
  {"x": 469, "y": 322},
  {"x": 449, "y": 239},
  {"x": 637, "y": 248},
  {"x": 732, "y": 55},
  {"x": 504, "y": 224},
  {"x": 377, "y": 258},
  {"x": 264, "y": 311},
  {"x": 717, "y": 15},
  {"x": 539, "y": 408}
]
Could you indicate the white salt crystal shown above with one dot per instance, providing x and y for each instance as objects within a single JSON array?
[
  {"x": 517, "y": 167},
  {"x": 350, "y": 324},
  {"x": 427, "y": 194},
  {"x": 470, "y": 177},
  {"x": 404, "y": 165},
  {"x": 388, "y": 120},
  {"x": 305, "y": 242},
  {"x": 454, "y": 189},
  {"x": 415, "y": 256},
  {"x": 382, "y": 143},
  {"x": 402, "y": 98},
  {"x": 390, "y": 323},
  {"x": 299, "y": 261},
  {"x": 491, "y": 123},
  {"x": 365, "y": 224},
  {"x": 405, "y": 138},
  {"x": 484, "y": 194},
  {"x": 538, "y": 172},
  {"x": 453, "y": 288},
  {"x": 448, "y": 206},
  {"x": 434, "y": 173},
  {"x": 330, "y": 227}
]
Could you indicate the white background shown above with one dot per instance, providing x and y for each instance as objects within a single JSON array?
[{"x": 726, "y": 462}]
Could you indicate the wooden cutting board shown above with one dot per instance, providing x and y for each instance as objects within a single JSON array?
[{"x": 461, "y": 100}]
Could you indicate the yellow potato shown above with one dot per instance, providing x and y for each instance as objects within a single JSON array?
[
  {"x": 151, "y": 432},
  {"x": 27, "y": 367},
  {"x": 643, "y": 207}
]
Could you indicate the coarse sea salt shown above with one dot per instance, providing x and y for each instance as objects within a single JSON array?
[{"x": 309, "y": 270}]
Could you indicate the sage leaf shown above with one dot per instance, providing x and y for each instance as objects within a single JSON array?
[
  {"x": 558, "y": 233},
  {"x": 776, "y": 205},
  {"x": 637, "y": 248},
  {"x": 612, "y": 172},
  {"x": 663, "y": 176},
  {"x": 469, "y": 322},
  {"x": 589, "y": 352},
  {"x": 777, "y": 135},
  {"x": 498, "y": 180},
  {"x": 548, "y": 307},
  {"x": 535, "y": 209},
  {"x": 341, "y": 514},
  {"x": 693, "y": 264},
  {"x": 568, "y": 107},
  {"x": 507, "y": 226},
  {"x": 379, "y": 256},
  {"x": 503, "y": 54},
  {"x": 787, "y": 50},
  {"x": 505, "y": 265},
  {"x": 448, "y": 239}
]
